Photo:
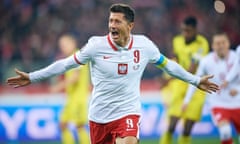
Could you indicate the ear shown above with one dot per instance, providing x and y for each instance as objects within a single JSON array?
[{"x": 131, "y": 25}]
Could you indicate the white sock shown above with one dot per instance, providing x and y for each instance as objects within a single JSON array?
[
  {"x": 239, "y": 139},
  {"x": 225, "y": 131}
]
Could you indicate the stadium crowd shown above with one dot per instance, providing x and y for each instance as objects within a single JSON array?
[{"x": 29, "y": 29}]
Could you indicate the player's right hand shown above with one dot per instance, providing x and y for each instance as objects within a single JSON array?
[{"x": 18, "y": 81}]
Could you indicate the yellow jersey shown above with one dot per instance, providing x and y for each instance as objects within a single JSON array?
[
  {"x": 79, "y": 90},
  {"x": 75, "y": 109},
  {"x": 186, "y": 54},
  {"x": 194, "y": 51}
]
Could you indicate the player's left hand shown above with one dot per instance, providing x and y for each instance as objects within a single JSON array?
[{"x": 206, "y": 85}]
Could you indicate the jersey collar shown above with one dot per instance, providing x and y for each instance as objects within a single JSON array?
[
  {"x": 217, "y": 58},
  {"x": 116, "y": 47}
]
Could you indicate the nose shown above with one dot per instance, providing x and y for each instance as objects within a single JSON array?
[{"x": 112, "y": 24}]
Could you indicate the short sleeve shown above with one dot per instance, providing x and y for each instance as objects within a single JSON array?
[{"x": 85, "y": 54}]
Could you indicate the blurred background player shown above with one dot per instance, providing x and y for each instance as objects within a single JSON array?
[
  {"x": 225, "y": 105},
  {"x": 76, "y": 85},
  {"x": 188, "y": 48},
  {"x": 234, "y": 71}
]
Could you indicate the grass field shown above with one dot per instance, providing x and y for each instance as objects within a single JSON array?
[
  {"x": 195, "y": 141},
  {"x": 155, "y": 141}
]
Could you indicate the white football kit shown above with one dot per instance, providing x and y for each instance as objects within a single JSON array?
[
  {"x": 235, "y": 71},
  {"x": 220, "y": 68},
  {"x": 116, "y": 74}
]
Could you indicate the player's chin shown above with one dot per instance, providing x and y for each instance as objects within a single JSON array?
[
  {"x": 116, "y": 39},
  {"x": 116, "y": 36}
]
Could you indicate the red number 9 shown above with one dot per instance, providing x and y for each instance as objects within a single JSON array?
[{"x": 136, "y": 54}]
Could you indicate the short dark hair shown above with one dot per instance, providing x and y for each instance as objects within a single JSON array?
[
  {"x": 190, "y": 21},
  {"x": 125, "y": 9}
]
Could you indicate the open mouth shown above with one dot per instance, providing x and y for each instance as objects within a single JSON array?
[{"x": 115, "y": 34}]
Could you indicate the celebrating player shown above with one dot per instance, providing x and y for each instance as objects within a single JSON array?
[
  {"x": 117, "y": 62},
  {"x": 225, "y": 104},
  {"x": 76, "y": 84},
  {"x": 189, "y": 48}
]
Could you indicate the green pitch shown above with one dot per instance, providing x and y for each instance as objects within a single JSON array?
[
  {"x": 214, "y": 140},
  {"x": 194, "y": 141}
]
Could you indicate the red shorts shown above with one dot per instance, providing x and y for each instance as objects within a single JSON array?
[
  {"x": 107, "y": 133},
  {"x": 224, "y": 114}
]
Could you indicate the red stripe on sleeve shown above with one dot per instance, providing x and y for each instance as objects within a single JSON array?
[{"x": 76, "y": 60}]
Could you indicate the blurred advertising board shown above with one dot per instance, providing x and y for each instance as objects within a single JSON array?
[{"x": 35, "y": 118}]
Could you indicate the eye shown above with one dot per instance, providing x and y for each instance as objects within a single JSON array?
[{"x": 118, "y": 21}]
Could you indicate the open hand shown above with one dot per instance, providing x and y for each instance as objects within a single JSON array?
[
  {"x": 18, "y": 81},
  {"x": 206, "y": 85}
]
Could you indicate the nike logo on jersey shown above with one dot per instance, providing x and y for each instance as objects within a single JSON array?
[{"x": 106, "y": 57}]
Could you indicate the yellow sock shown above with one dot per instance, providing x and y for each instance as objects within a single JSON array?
[
  {"x": 166, "y": 138},
  {"x": 67, "y": 137},
  {"x": 184, "y": 140},
  {"x": 83, "y": 137}
]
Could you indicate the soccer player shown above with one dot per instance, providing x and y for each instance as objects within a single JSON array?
[
  {"x": 189, "y": 47},
  {"x": 117, "y": 61},
  {"x": 225, "y": 104},
  {"x": 234, "y": 71},
  {"x": 76, "y": 84}
]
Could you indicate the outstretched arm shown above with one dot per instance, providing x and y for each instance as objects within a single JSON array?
[
  {"x": 57, "y": 68},
  {"x": 177, "y": 71},
  {"x": 63, "y": 83}
]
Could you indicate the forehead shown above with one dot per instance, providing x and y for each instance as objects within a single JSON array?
[
  {"x": 218, "y": 38},
  {"x": 117, "y": 15},
  {"x": 185, "y": 27}
]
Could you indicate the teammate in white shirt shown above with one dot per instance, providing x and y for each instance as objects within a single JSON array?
[
  {"x": 234, "y": 71},
  {"x": 117, "y": 62},
  {"x": 225, "y": 104}
]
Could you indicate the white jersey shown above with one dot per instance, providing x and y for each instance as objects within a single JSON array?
[
  {"x": 213, "y": 65},
  {"x": 116, "y": 74},
  {"x": 235, "y": 71}
]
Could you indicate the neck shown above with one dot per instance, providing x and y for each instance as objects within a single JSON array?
[
  {"x": 223, "y": 56},
  {"x": 190, "y": 40},
  {"x": 123, "y": 42}
]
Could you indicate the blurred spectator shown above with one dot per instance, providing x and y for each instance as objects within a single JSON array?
[{"x": 29, "y": 28}]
